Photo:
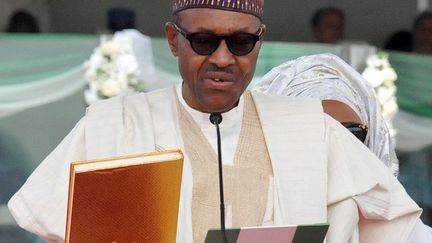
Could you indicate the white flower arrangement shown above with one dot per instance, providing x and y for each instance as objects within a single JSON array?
[
  {"x": 382, "y": 77},
  {"x": 112, "y": 70}
]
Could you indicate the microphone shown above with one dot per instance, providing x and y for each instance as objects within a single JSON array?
[{"x": 216, "y": 119}]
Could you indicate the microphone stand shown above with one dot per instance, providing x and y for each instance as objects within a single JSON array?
[{"x": 216, "y": 119}]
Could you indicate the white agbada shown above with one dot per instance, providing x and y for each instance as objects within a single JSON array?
[{"x": 321, "y": 171}]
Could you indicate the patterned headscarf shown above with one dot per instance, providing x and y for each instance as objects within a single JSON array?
[
  {"x": 254, "y": 7},
  {"x": 327, "y": 77}
]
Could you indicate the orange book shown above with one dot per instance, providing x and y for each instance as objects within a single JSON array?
[{"x": 125, "y": 199}]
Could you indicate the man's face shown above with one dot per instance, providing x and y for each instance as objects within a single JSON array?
[
  {"x": 330, "y": 29},
  {"x": 214, "y": 82},
  {"x": 423, "y": 37}
]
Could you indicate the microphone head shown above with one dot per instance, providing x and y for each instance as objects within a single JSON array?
[{"x": 216, "y": 118}]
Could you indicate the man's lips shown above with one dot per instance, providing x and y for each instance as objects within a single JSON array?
[
  {"x": 219, "y": 79},
  {"x": 217, "y": 83},
  {"x": 219, "y": 76}
]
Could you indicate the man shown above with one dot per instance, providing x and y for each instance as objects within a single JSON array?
[
  {"x": 328, "y": 25},
  {"x": 285, "y": 162},
  {"x": 423, "y": 33}
]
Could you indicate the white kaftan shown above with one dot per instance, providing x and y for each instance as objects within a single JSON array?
[{"x": 321, "y": 171}]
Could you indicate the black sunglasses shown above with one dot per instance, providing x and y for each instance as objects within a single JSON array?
[
  {"x": 359, "y": 130},
  {"x": 204, "y": 43}
]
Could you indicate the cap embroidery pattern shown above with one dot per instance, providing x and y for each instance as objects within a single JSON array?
[{"x": 254, "y": 7}]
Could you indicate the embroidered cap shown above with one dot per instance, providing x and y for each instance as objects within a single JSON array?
[{"x": 254, "y": 7}]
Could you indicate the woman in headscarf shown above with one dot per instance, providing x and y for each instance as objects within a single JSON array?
[{"x": 345, "y": 96}]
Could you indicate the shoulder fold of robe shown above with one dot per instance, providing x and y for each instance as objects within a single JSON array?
[{"x": 294, "y": 132}]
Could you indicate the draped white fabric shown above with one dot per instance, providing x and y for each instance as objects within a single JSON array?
[
  {"x": 39, "y": 69},
  {"x": 15, "y": 98},
  {"x": 413, "y": 132}
]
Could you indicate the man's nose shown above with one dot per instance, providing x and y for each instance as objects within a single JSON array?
[{"x": 222, "y": 57}]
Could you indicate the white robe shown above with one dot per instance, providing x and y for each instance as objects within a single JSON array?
[{"x": 320, "y": 170}]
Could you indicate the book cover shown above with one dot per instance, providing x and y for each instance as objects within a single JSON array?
[
  {"x": 314, "y": 233},
  {"x": 125, "y": 199}
]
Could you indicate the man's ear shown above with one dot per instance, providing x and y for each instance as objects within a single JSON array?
[
  {"x": 264, "y": 30},
  {"x": 171, "y": 35}
]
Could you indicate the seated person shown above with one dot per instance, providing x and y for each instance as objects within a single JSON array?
[
  {"x": 345, "y": 96},
  {"x": 120, "y": 18},
  {"x": 22, "y": 21},
  {"x": 401, "y": 40},
  {"x": 423, "y": 33},
  {"x": 328, "y": 25}
]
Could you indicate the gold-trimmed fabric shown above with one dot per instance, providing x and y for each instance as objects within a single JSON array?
[
  {"x": 254, "y": 7},
  {"x": 245, "y": 183}
]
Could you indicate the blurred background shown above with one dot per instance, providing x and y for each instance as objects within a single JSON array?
[
  {"x": 367, "y": 20},
  {"x": 45, "y": 43}
]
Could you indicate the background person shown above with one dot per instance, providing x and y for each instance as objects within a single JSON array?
[
  {"x": 423, "y": 33},
  {"x": 328, "y": 25},
  {"x": 120, "y": 18},
  {"x": 23, "y": 21},
  {"x": 400, "y": 40}
]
